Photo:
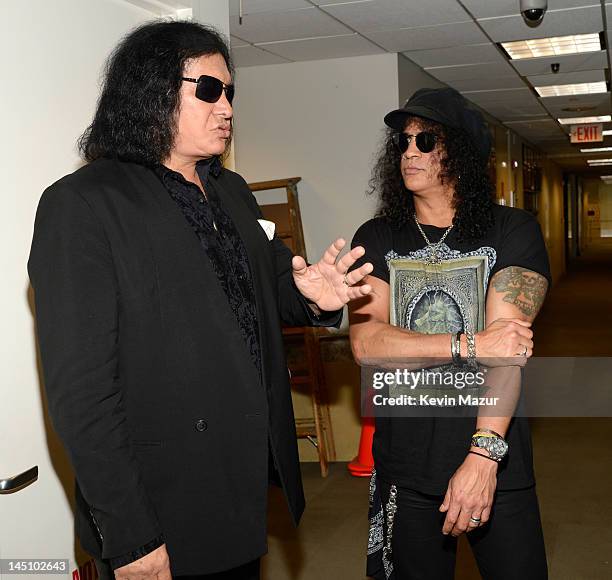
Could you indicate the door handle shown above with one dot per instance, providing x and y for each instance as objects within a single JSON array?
[{"x": 18, "y": 482}]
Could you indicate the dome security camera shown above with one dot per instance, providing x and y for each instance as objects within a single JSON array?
[{"x": 533, "y": 11}]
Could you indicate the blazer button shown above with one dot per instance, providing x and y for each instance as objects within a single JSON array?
[{"x": 201, "y": 425}]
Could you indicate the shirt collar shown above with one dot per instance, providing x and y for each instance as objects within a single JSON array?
[
  {"x": 211, "y": 166},
  {"x": 204, "y": 167}
]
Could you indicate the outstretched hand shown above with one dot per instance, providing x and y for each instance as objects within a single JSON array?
[{"x": 328, "y": 283}]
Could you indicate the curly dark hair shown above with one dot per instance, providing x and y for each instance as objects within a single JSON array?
[
  {"x": 136, "y": 115},
  {"x": 462, "y": 166}
]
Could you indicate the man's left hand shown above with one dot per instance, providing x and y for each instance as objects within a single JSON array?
[
  {"x": 470, "y": 494},
  {"x": 328, "y": 283}
]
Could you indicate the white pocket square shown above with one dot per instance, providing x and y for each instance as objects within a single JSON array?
[{"x": 268, "y": 227}]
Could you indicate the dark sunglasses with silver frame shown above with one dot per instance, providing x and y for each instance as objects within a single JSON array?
[
  {"x": 425, "y": 141},
  {"x": 210, "y": 89}
]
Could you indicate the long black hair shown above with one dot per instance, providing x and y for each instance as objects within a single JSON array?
[
  {"x": 136, "y": 115},
  {"x": 462, "y": 166}
]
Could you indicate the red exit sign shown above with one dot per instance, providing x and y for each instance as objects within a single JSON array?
[{"x": 586, "y": 133}]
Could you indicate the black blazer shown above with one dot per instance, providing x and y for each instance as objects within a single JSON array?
[{"x": 149, "y": 381}]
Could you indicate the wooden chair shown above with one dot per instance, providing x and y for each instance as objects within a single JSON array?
[{"x": 306, "y": 370}]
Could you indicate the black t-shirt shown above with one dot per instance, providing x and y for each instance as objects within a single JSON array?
[{"x": 422, "y": 453}]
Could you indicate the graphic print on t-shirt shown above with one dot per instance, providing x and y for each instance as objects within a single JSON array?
[{"x": 447, "y": 295}]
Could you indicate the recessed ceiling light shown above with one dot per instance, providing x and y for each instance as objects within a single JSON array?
[
  {"x": 573, "y": 89},
  {"x": 596, "y": 150},
  {"x": 556, "y": 46},
  {"x": 583, "y": 120}
]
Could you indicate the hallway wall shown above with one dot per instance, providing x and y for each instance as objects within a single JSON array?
[
  {"x": 551, "y": 217},
  {"x": 605, "y": 208},
  {"x": 592, "y": 226},
  {"x": 550, "y": 214},
  {"x": 322, "y": 121},
  {"x": 411, "y": 77},
  {"x": 597, "y": 210}
]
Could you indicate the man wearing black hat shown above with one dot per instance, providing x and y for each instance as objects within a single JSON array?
[{"x": 457, "y": 280}]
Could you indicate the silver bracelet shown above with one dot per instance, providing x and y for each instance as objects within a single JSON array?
[
  {"x": 456, "y": 347},
  {"x": 471, "y": 348}
]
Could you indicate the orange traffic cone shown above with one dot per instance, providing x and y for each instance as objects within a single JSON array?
[{"x": 363, "y": 464}]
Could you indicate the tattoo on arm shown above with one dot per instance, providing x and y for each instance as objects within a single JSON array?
[{"x": 522, "y": 287}]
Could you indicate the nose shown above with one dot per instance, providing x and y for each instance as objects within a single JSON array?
[
  {"x": 223, "y": 107},
  {"x": 413, "y": 150}
]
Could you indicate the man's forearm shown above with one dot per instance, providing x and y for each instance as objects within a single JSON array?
[
  {"x": 502, "y": 384},
  {"x": 386, "y": 346}
]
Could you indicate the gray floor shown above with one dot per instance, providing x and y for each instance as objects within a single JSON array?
[{"x": 572, "y": 457}]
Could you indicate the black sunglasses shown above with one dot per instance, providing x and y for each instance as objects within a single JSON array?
[
  {"x": 210, "y": 89},
  {"x": 425, "y": 141}
]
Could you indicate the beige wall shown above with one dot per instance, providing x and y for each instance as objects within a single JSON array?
[
  {"x": 550, "y": 213},
  {"x": 551, "y": 217},
  {"x": 321, "y": 121},
  {"x": 605, "y": 209},
  {"x": 591, "y": 225},
  {"x": 411, "y": 77},
  {"x": 598, "y": 199}
]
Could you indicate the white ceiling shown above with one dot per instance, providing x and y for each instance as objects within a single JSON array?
[{"x": 455, "y": 41}]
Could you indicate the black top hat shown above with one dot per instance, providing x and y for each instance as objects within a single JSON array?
[{"x": 447, "y": 107}]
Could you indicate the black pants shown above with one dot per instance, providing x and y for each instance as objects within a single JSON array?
[
  {"x": 248, "y": 571},
  {"x": 508, "y": 547}
]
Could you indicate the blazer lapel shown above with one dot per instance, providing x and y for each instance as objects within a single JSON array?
[{"x": 259, "y": 255}]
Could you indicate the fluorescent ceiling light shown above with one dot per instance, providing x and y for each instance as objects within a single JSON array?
[
  {"x": 600, "y": 164},
  {"x": 593, "y": 162},
  {"x": 556, "y": 46},
  {"x": 573, "y": 89},
  {"x": 607, "y": 132},
  {"x": 606, "y": 177},
  {"x": 583, "y": 120},
  {"x": 596, "y": 150}
]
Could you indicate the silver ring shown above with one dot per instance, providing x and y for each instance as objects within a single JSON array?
[
  {"x": 475, "y": 520},
  {"x": 345, "y": 280},
  {"x": 524, "y": 353}
]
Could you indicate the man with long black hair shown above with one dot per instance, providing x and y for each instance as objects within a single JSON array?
[
  {"x": 461, "y": 279},
  {"x": 159, "y": 301}
]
